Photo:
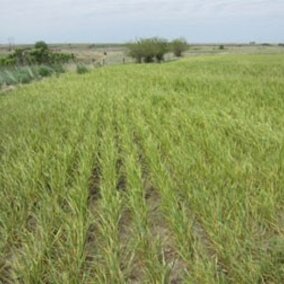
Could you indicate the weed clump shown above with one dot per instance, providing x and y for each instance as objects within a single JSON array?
[
  {"x": 45, "y": 71},
  {"x": 82, "y": 69},
  {"x": 26, "y": 74}
]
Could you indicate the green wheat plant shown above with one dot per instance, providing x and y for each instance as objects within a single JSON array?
[{"x": 168, "y": 173}]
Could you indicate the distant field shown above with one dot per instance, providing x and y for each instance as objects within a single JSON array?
[
  {"x": 118, "y": 53},
  {"x": 159, "y": 173}
]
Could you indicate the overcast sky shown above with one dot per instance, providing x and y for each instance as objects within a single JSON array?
[{"x": 26, "y": 21}]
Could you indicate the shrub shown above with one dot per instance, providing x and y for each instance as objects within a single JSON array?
[
  {"x": 221, "y": 47},
  {"x": 22, "y": 75},
  {"x": 40, "y": 54},
  {"x": 58, "y": 68},
  {"x": 19, "y": 55},
  {"x": 179, "y": 46},
  {"x": 45, "y": 71},
  {"x": 58, "y": 58},
  {"x": 82, "y": 69},
  {"x": 7, "y": 61},
  {"x": 10, "y": 78},
  {"x": 30, "y": 72},
  {"x": 2, "y": 81}
]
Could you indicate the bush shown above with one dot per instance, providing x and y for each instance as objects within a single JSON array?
[
  {"x": 58, "y": 58},
  {"x": 148, "y": 50},
  {"x": 30, "y": 72},
  {"x": 221, "y": 47},
  {"x": 10, "y": 78},
  {"x": 82, "y": 69},
  {"x": 179, "y": 46},
  {"x": 58, "y": 68},
  {"x": 45, "y": 71},
  {"x": 2, "y": 81},
  {"x": 40, "y": 54},
  {"x": 7, "y": 61},
  {"x": 23, "y": 76},
  {"x": 14, "y": 76}
]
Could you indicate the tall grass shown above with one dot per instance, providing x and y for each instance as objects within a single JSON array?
[
  {"x": 147, "y": 174},
  {"x": 10, "y": 76}
]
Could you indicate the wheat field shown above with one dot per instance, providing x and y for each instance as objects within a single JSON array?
[{"x": 159, "y": 173}]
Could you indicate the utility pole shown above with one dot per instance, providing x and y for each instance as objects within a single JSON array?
[{"x": 11, "y": 43}]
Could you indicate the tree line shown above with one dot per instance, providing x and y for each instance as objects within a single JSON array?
[
  {"x": 154, "y": 49},
  {"x": 143, "y": 50},
  {"x": 38, "y": 55}
]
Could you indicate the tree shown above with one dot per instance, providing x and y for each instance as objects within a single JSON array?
[
  {"x": 40, "y": 53},
  {"x": 179, "y": 46},
  {"x": 135, "y": 51},
  {"x": 41, "y": 45},
  {"x": 161, "y": 48},
  {"x": 148, "y": 50}
]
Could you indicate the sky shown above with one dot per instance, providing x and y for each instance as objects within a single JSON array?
[{"x": 110, "y": 21}]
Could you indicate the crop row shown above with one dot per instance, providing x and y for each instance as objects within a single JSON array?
[{"x": 145, "y": 174}]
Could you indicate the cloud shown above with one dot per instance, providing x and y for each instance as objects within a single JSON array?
[
  {"x": 169, "y": 7},
  {"x": 33, "y": 18}
]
